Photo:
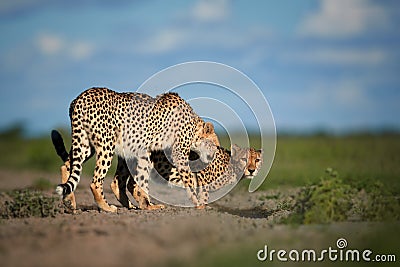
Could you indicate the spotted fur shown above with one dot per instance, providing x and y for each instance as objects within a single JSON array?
[
  {"x": 225, "y": 169},
  {"x": 132, "y": 125},
  {"x": 228, "y": 167},
  {"x": 254, "y": 163}
]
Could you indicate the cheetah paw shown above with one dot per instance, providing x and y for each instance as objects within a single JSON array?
[
  {"x": 113, "y": 208},
  {"x": 109, "y": 208},
  {"x": 155, "y": 207}
]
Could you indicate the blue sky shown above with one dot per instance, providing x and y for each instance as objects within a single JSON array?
[{"x": 330, "y": 64}]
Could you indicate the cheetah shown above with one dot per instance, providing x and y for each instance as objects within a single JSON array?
[
  {"x": 235, "y": 165},
  {"x": 131, "y": 125},
  {"x": 228, "y": 167},
  {"x": 254, "y": 163},
  {"x": 223, "y": 170}
]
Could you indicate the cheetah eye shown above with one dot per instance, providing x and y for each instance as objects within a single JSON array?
[{"x": 257, "y": 160}]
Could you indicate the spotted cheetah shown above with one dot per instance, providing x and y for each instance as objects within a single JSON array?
[
  {"x": 254, "y": 162},
  {"x": 227, "y": 168},
  {"x": 223, "y": 170},
  {"x": 132, "y": 125}
]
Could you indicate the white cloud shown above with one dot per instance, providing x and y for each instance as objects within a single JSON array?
[
  {"x": 172, "y": 38},
  {"x": 343, "y": 18},
  {"x": 208, "y": 10},
  {"x": 166, "y": 40},
  {"x": 52, "y": 45},
  {"x": 176, "y": 37},
  {"x": 81, "y": 50},
  {"x": 201, "y": 25},
  {"x": 339, "y": 56},
  {"x": 49, "y": 44}
]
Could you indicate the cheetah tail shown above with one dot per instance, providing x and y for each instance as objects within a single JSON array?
[{"x": 58, "y": 143}]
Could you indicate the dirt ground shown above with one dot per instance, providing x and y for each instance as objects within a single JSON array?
[{"x": 235, "y": 226}]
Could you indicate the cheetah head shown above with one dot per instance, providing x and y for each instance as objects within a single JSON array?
[
  {"x": 206, "y": 150},
  {"x": 246, "y": 160},
  {"x": 209, "y": 133},
  {"x": 206, "y": 141},
  {"x": 239, "y": 158},
  {"x": 254, "y": 163}
]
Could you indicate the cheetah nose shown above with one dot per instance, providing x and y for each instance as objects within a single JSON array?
[{"x": 251, "y": 172}]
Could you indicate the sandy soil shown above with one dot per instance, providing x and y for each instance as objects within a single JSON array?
[{"x": 238, "y": 223}]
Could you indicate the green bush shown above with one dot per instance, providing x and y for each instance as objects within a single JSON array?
[
  {"x": 333, "y": 200},
  {"x": 330, "y": 200},
  {"x": 27, "y": 203},
  {"x": 376, "y": 203}
]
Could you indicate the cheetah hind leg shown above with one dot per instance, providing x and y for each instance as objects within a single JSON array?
[
  {"x": 119, "y": 184},
  {"x": 99, "y": 198},
  {"x": 97, "y": 184},
  {"x": 69, "y": 200}
]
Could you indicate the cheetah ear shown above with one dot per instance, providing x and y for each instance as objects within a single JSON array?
[
  {"x": 234, "y": 148},
  {"x": 260, "y": 151},
  {"x": 208, "y": 128}
]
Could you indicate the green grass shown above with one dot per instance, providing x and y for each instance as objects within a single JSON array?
[
  {"x": 42, "y": 184},
  {"x": 361, "y": 159},
  {"x": 19, "y": 153}
]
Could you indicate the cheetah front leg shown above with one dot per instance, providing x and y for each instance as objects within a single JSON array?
[
  {"x": 139, "y": 185},
  {"x": 203, "y": 195},
  {"x": 180, "y": 158},
  {"x": 190, "y": 184}
]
